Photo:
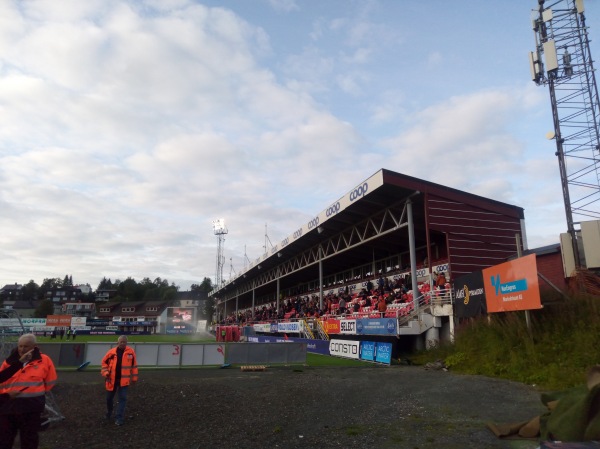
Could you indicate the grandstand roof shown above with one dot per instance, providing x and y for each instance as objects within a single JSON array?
[{"x": 370, "y": 223}]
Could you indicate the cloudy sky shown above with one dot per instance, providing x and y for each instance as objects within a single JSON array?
[{"x": 128, "y": 127}]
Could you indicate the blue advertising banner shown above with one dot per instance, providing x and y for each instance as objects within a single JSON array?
[
  {"x": 367, "y": 350},
  {"x": 380, "y": 326},
  {"x": 370, "y": 351},
  {"x": 314, "y": 346},
  {"x": 384, "y": 353}
]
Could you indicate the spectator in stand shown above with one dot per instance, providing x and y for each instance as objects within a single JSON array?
[
  {"x": 380, "y": 285},
  {"x": 342, "y": 306},
  {"x": 441, "y": 283},
  {"x": 387, "y": 287},
  {"x": 356, "y": 306},
  {"x": 369, "y": 287},
  {"x": 381, "y": 305}
]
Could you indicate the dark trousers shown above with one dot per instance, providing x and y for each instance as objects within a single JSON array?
[
  {"x": 26, "y": 425},
  {"x": 121, "y": 393}
]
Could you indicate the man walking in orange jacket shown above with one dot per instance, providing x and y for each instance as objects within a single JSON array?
[{"x": 119, "y": 369}]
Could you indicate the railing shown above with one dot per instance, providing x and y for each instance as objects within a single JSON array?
[
  {"x": 323, "y": 335},
  {"x": 305, "y": 330},
  {"x": 313, "y": 328}
]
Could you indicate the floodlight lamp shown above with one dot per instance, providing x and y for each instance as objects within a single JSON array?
[
  {"x": 320, "y": 229},
  {"x": 219, "y": 224}
]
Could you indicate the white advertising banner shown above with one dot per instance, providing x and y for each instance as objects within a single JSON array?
[
  {"x": 345, "y": 348},
  {"x": 348, "y": 327}
]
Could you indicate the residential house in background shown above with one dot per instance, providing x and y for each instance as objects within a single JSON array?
[
  {"x": 138, "y": 316},
  {"x": 105, "y": 295},
  {"x": 10, "y": 293},
  {"x": 60, "y": 295}
]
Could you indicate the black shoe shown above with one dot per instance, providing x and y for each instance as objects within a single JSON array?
[{"x": 118, "y": 422}]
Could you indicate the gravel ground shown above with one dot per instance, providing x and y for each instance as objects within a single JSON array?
[{"x": 283, "y": 407}]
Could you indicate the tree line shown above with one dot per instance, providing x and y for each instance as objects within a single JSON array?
[{"x": 128, "y": 290}]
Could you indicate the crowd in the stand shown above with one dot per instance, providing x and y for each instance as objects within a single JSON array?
[{"x": 373, "y": 298}]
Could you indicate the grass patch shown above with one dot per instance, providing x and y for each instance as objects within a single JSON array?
[
  {"x": 554, "y": 353},
  {"x": 354, "y": 430}
]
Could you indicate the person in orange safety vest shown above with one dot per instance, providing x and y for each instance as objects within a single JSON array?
[
  {"x": 119, "y": 369},
  {"x": 26, "y": 390}
]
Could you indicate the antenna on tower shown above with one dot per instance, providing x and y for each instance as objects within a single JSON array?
[
  {"x": 231, "y": 270},
  {"x": 571, "y": 80},
  {"x": 267, "y": 239},
  {"x": 220, "y": 230},
  {"x": 246, "y": 259}
]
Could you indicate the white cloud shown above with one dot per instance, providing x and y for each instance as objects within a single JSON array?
[
  {"x": 129, "y": 126},
  {"x": 284, "y": 5}
]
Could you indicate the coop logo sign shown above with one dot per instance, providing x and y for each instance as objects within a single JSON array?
[
  {"x": 344, "y": 348},
  {"x": 359, "y": 192},
  {"x": 332, "y": 210},
  {"x": 313, "y": 223}
]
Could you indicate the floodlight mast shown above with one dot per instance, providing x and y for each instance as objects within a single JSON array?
[
  {"x": 575, "y": 107},
  {"x": 220, "y": 230}
]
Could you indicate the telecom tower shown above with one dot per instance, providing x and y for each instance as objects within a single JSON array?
[
  {"x": 562, "y": 61},
  {"x": 220, "y": 231}
]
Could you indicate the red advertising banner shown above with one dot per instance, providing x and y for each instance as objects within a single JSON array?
[
  {"x": 512, "y": 285},
  {"x": 332, "y": 326},
  {"x": 58, "y": 320}
]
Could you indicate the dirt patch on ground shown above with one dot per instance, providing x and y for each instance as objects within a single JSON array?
[{"x": 282, "y": 407}]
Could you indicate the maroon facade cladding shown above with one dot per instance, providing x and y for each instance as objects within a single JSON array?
[
  {"x": 550, "y": 266},
  {"x": 478, "y": 232},
  {"x": 478, "y": 236}
]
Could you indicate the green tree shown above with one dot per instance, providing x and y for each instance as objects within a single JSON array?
[
  {"x": 68, "y": 281},
  {"x": 105, "y": 284},
  {"x": 129, "y": 290},
  {"x": 44, "y": 309},
  {"x": 30, "y": 291},
  {"x": 208, "y": 309},
  {"x": 49, "y": 284}
]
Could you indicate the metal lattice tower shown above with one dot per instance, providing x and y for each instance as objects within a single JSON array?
[
  {"x": 562, "y": 61},
  {"x": 220, "y": 231}
]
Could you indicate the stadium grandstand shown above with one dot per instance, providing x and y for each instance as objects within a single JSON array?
[{"x": 352, "y": 270}]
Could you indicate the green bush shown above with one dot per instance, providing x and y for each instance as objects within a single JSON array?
[{"x": 554, "y": 352}]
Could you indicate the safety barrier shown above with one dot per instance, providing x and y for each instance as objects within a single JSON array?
[{"x": 176, "y": 355}]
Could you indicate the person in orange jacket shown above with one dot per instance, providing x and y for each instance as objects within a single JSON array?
[
  {"x": 381, "y": 305},
  {"x": 119, "y": 369},
  {"x": 26, "y": 389},
  {"x": 9, "y": 371}
]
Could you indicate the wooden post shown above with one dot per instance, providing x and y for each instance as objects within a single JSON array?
[{"x": 519, "y": 253}]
